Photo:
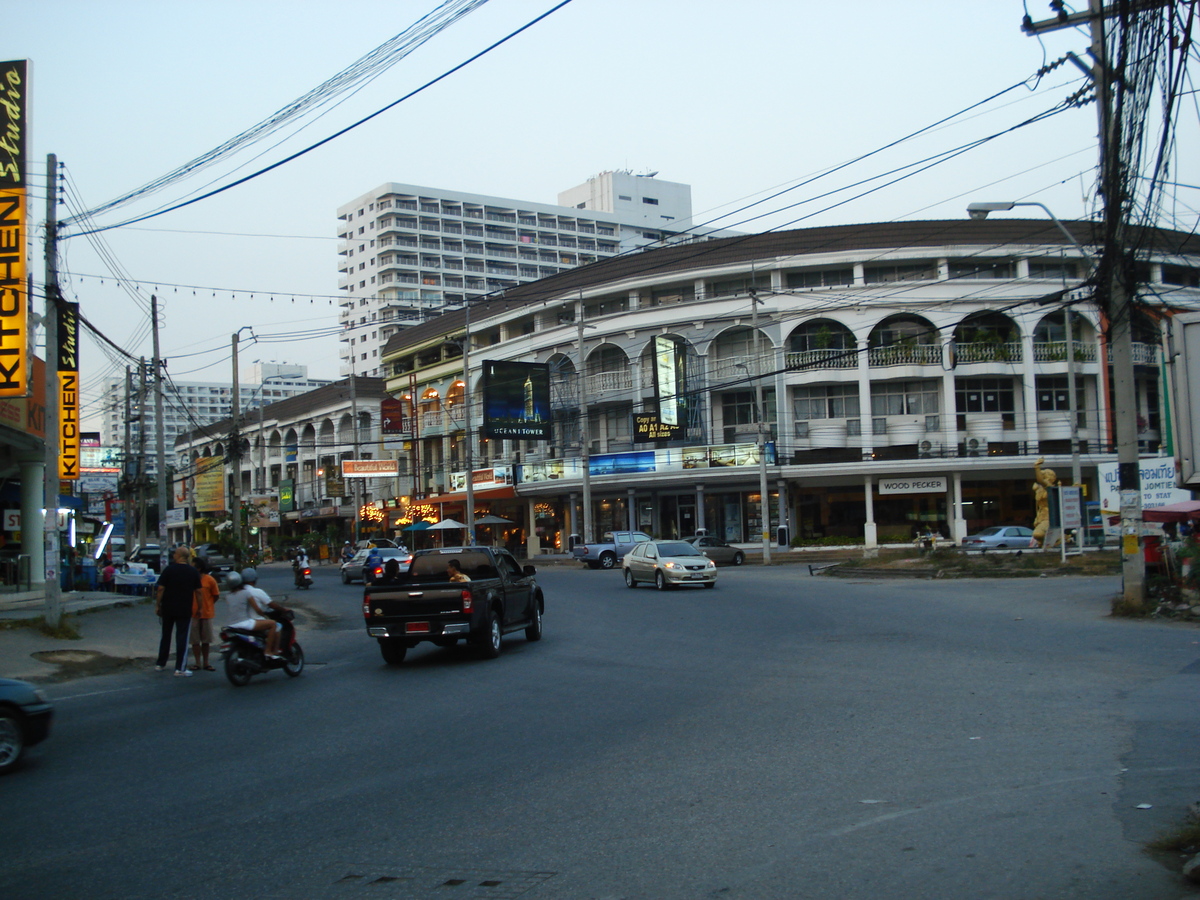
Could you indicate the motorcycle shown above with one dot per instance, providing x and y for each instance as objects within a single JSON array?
[
  {"x": 303, "y": 577},
  {"x": 244, "y": 650}
]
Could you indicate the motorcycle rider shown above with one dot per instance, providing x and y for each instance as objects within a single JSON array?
[
  {"x": 299, "y": 564},
  {"x": 248, "y": 605}
]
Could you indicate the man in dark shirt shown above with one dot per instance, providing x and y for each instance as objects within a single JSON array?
[{"x": 177, "y": 590}]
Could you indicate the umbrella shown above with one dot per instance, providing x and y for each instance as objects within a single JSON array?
[
  {"x": 446, "y": 523},
  {"x": 1175, "y": 512},
  {"x": 417, "y": 526},
  {"x": 494, "y": 520}
]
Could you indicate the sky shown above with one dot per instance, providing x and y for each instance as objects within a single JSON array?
[{"x": 739, "y": 100}]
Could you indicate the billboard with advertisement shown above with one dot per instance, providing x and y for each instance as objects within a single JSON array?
[
  {"x": 210, "y": 484},
  {"x": 69, "y": 438},
  {"x": 1157, "y": 477},
  {"x": 370, "y": 468},
  {"x": 516, "y": 400},
  {"x": 670, "y": 383}
]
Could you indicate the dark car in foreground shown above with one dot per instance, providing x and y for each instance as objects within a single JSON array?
[
  {"x": 999, "y": 537},
  {"x": 25, "y": 716},
  {"x": 717, "y": 550}
]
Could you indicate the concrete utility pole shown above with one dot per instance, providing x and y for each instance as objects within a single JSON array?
[
  {"x": 1116, "y": 274},
  {"x": 235, "y": 446},
  {"x": 50, "y": 484},
  {"x": 584, "y": 448},
  {"x": 159, "y": 437},
  {"x": 760, "y": 412},
  {"x": 470, "y": 501}
]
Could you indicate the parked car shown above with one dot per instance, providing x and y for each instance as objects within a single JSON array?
[
  {"x": 219, "y": 564},
  {"x": 668, "y": 564},
  {"x": 353, "y": 570},
  {"x": 149, "y": 555},
  {"x": 25, "y": 716},
  {"x": 717, "y": 550},
  {"x": 999, "y": 537},
  {"x": 608, "y": 551}
]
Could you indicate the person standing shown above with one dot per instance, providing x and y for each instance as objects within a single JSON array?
[
  {"x": 108, "y": 575},
  {"x": 203, "y": 614},
  {"x": 176, "y": 594}
]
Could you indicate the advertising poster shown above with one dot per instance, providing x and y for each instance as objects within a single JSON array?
[
  {"x": 516, "y": 400},
  {"x": 14, "y": 237},
  {"x": 210, "y": 484}
]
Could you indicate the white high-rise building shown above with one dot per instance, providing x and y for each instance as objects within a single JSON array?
[
  {"x": 190, "y": 405},
  {"x": 409, "y": 252}
]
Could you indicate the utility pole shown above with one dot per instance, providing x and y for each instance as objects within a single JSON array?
[
  {"x": 159, "y": 428},
  {"x": 761, "y": 414},
  {"x": 1115, "y": 277},
  {"x": 235, "y": 447},
  {"x": 140, "y": 503},
  {"x": 584, "y": 448},
  {"x": 467, "y": 425},
  {"x": 50, "y": 482}
]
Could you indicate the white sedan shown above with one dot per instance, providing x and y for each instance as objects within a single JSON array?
[{"x": 668, "y": 564}]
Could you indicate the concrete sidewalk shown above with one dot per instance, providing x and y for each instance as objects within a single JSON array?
[{"x": 115, "y": 631}]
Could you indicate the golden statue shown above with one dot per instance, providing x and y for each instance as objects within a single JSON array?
[{"x": 1043, "y": 479}]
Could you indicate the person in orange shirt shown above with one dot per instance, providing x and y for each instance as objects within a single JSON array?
[{"x": 204, "y": 610}]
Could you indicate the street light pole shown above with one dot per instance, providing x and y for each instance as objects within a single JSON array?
[
  {"x": 467, "y": 424},
  {"x": 980, "y": 211},
  {"x": 761, "y": 415},
  {"x": 584, "y": 449}
]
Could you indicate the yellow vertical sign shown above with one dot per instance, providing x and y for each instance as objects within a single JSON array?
[
  {"x": 14, "y": 253},
  {"x": 68, "y": 392}
]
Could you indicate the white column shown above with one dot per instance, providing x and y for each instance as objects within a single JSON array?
[
  {"x": 864, "y": 400},
  {"x": 533, "y": 545}
]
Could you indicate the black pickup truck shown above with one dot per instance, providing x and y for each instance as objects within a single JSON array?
[{"x": 423, "y": 604}]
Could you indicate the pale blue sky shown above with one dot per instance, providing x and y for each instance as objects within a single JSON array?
[{"x": 735, "y": 99}]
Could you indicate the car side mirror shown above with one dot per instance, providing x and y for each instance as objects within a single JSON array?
[{"x": 529, "y": 570}]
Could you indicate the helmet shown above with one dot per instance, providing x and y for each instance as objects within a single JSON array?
[
  {"x": 250, "y": 576},
  {"x": 233, "y": 580}
]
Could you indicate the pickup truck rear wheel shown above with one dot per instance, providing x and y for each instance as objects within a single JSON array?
[
  {"x": 393, "y": 651},
  {"x": 491, "y": 637},
  {"x": 534, "y": 630},
  {"x": 608, "y": 559}
]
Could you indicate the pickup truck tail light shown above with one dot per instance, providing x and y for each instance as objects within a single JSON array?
[
  {"x": 466, "y": 601},
  {"x": 366, "y": 608}
]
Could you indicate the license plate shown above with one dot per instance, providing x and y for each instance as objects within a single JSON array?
[{"x": 417, "y": 627}]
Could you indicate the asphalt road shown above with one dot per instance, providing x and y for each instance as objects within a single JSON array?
[{"x": 781, "y": 736}]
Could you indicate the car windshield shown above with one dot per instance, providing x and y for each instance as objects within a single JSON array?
[{"x": 678, "y": 548}]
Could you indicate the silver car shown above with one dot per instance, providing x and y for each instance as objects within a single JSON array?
[
  {"x": 717, "y": 550},
  {"x": 999, "y": 537},
  {"x": 668, "y": 564},
  {"x": 352, "y": 569}
]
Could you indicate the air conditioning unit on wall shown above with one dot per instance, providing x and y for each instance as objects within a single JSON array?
[
  {"x": 975, "y": 446},
  {"x": 927, "y": 449}
]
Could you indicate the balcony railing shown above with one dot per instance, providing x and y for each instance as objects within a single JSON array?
[
  {"x": 985, "y": 352},
  {"x": 822, "y": 359},
  {"x": 1056, "y": 351},
  {"x": 609, "y": 382},
  {"x": 905, "y": 355},
  {"x": 732, "y": 367},
  {"x": 1145, "y": 355}
]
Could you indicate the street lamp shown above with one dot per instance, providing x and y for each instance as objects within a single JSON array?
[{"x": 980, "y": 211}]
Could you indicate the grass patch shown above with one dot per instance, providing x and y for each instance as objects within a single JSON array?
[
  {"x": 1130, "y": 609},
  {"x": 983, "y": 565},
  {"x": 66, "y": 630},
  {"x": 1183, "y": 838}
]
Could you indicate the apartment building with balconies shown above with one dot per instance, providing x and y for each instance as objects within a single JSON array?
[{"x": 409, "y": 252}]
